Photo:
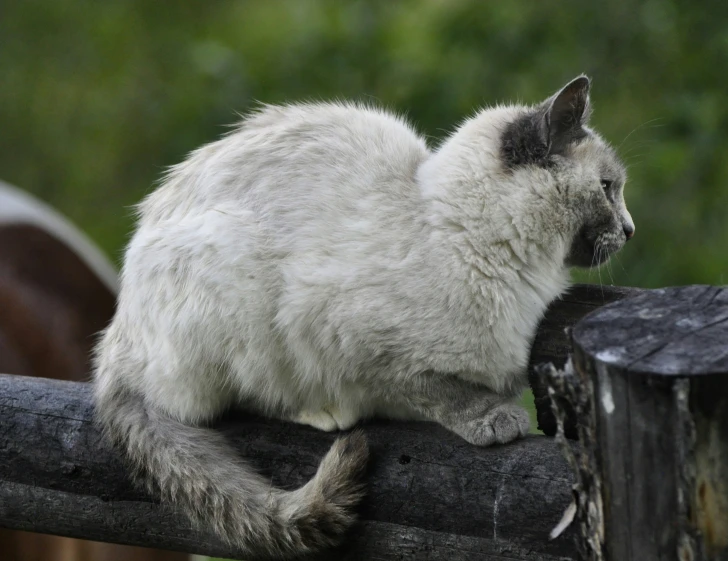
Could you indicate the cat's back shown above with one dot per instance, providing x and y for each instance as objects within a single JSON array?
[
  {"x": 322, "y": 131},
  {"x": 317, "y": 150},
  {"x": 292, "y": 155}
]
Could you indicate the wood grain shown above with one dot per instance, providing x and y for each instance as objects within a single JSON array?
[
  {"x": 658, "y": 366},
  {"x": 431, "y": 495},
  {"x": 553, "y": 343}
]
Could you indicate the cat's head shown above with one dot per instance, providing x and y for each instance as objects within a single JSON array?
[{"x": 553, "y": 137}]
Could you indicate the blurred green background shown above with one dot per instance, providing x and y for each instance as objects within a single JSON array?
[{"x": 97, "y": 98}]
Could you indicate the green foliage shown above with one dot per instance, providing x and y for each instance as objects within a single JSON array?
[{"x": 98, "y": 97}]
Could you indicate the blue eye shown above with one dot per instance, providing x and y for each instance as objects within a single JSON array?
[{"x": 606, "y": 184}]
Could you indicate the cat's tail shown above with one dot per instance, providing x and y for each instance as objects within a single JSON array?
[{"x": 194, "y": 469}]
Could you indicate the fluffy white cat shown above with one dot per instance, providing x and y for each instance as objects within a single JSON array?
[{"x": 322, "y": 265}]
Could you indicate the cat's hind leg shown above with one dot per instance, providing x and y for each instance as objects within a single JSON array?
[
  {"x": 321, "y": 420},
  {"x": 329, "y": 418}
]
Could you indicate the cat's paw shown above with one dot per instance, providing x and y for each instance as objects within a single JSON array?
[{"x": 503, "y": 423}]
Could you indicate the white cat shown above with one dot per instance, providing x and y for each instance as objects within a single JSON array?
[{"x": 322, "y": 265}]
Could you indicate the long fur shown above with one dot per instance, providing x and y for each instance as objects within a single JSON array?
[
  {"x": 321, "y": 264},
  {"x": 195, "y": 469}
]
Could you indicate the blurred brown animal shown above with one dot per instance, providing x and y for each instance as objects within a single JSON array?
[{"x": 57, "y": 291}]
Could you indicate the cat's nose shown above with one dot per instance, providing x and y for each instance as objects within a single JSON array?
[{"x": 628, "y": 231}]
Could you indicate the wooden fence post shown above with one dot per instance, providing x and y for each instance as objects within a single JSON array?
[{"x": 656, "y": 419}]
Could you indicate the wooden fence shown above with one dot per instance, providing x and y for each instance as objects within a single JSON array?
[{"x": 647, "y": 476}]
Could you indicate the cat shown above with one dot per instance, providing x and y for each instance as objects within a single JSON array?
[{"x": 322, "y": 265}]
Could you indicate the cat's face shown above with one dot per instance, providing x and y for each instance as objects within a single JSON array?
[
  {"x": 588, "y": 176},
  {"x": 604, "y": 223}
]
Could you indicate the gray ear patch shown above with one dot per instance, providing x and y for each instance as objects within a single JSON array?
[
  {"x": 523, "y": 142},
  {"x": 549, "y": 129}
]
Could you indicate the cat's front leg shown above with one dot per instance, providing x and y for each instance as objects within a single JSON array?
[
  {"x": 502, "y": 423},
  {"x": 474, "y": 412}
]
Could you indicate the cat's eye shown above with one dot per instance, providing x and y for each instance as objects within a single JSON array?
[{"x": 606, "y": 184}]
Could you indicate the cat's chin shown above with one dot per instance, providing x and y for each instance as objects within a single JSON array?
[{"x": 585, "y": 254}]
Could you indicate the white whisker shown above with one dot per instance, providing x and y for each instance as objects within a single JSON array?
[
  {"x": 609, "y": 270},
  {"x": 620, "y": 263},
  {"x": 599, "y": 266},
  {"x": 638, "y": 127}
]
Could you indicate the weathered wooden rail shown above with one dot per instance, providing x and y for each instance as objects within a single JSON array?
[{"x": 431, "y": 496}]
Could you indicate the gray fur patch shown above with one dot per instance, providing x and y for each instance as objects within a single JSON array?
[
  {"x": 522, "y": 142},
  {"x": 548, "y": 130}
]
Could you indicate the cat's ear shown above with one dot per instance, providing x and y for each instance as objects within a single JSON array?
[
  {"x": 549, "y": 128},
  {"x": 565, "y": 114}
]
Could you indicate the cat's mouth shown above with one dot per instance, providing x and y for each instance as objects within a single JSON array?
[{"x": 586, "y": 252}]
